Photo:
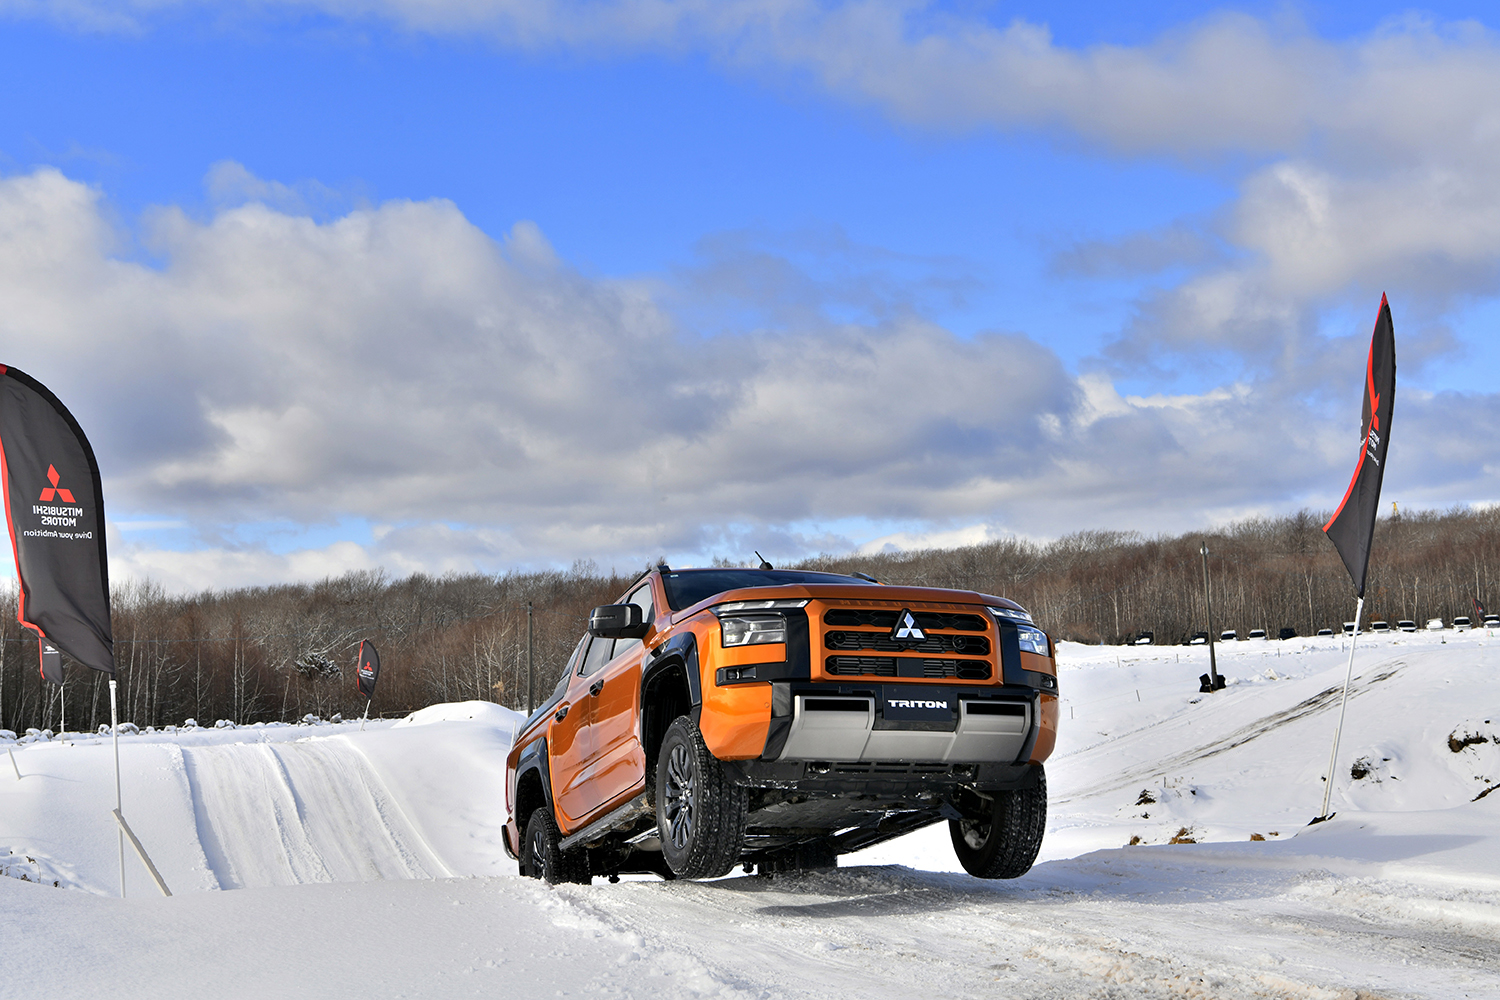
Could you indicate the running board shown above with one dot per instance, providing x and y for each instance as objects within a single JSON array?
[{"x": 631, "y": 810}]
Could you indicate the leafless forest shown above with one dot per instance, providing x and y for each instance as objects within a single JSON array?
[{"x": 279, "y": 653}]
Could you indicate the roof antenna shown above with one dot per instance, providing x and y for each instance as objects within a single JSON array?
[{"x": 763, "y": 563}]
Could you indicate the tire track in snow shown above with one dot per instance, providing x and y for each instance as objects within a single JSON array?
[
  {"x": 291, "y": 813},
  {"x": 1321, "y": 702},
  {"x": 894, "y": 932}
]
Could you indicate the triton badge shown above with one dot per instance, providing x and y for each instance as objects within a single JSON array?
[{"x": 906, "y": 629}]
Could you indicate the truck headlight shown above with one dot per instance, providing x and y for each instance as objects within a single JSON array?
[
  {"x": 752, "y": 630},
  {"x": 1033, "y": 640}
]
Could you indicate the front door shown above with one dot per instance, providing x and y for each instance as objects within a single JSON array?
[{"x": 618, "y": 766}]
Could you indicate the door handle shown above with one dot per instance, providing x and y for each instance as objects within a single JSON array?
[
  {"x": 596, "y": 687},
  {"x": 561, "y": 714}
]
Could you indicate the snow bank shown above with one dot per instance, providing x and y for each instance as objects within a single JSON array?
[
  {"x": 465, "y": 711},
  {"x": 1225, "y": 893}
]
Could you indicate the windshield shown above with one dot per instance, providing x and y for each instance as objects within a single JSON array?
[{"x": 689, "y": 586}]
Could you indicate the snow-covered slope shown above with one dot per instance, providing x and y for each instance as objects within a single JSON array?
[{"x": 1399, "y": 895}]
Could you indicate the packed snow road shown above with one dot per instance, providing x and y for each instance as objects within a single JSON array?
[{"x": 1398, "y": 896}]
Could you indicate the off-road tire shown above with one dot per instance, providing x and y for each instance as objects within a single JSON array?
[
  {"x": 542, "y": 858},
  {"x": 700, "y": 815},
  {"x": 1005, "y": 844}
]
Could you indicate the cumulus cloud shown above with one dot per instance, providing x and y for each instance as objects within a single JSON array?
[{"x": 483, "y": 405}]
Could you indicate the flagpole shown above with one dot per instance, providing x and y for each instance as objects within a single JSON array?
[
  {"x": 114, "y": 727},
  {"x": 1359, "y": 608},
  {"x": 62, "y": 709},
  {"x": 367, "y": 714}
]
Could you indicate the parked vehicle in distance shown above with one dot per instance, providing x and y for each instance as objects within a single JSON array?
[
  {"x": 1325, "y": 631},
  {"x": 1435, "y": 625},
  {"x": 1348, "y": 628},
  {"x": 1492, "y": 621},
  {"x": 1462, "y": 623},
  {"x": 1257, "y": 633},
  {"x": 1144, "y": 639},
  {"x": 1380, "y": 626},
  {"x": 1228, "y": 635},
  {"x": 1198, "y": 639},
  {"x": 1407, "y": 625},
  {"x": 1287, "y": 633},
  {"x": 722, "y": 716}
]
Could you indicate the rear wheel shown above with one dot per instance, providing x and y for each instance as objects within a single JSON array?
[
  {"x": 1004, "y": 843},
  {"x": 699, "y": 813},
  {"x": 543, "y": 858}
]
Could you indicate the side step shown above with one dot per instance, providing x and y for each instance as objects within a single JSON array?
[{"x": 596, "y": 830}]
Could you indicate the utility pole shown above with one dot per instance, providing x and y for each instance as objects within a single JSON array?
[
  {"x": 530, "y": 665},
  {"x": 1208, "y": 606}
]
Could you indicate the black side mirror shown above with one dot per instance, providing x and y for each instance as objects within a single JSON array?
[{"x": 618, "y": 621}]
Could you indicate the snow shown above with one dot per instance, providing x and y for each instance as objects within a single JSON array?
[{"x": 369, "y": 863}]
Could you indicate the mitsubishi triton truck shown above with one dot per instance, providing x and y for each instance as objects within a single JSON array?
[{"x": 780, "y": 718}]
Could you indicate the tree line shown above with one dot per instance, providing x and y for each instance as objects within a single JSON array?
[{"x": 279, "y": 653}]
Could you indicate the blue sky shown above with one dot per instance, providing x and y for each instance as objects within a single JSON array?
[{"x": 1072, "y": 261}]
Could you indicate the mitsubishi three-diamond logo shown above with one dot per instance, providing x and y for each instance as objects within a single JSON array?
[
  {"x": 55, "y": 492},
  {"x": 906, "y": 629}
]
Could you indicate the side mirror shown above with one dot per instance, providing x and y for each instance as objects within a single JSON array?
[{"x": 618, "y": 621}]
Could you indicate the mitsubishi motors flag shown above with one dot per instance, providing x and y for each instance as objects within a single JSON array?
[
  {"x": 54, "y": 509},
  {"x": 1352, "y": 526},
  {"x": 368, "y": 671}
]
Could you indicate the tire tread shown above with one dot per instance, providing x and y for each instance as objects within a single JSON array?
[{"x": 719, "y": 822}]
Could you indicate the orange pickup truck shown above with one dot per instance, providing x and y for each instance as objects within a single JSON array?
[{"x": 780, "y": 718}]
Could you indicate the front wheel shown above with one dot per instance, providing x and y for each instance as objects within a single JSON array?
[
  {"x": 699, "y": 813},
  {"x": 542, "y": 856},
  {"x": 1004, "y": 843}
]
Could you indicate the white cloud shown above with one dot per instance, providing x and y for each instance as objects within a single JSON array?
[
  {"x": 485, "y": 405},
  {"x": 1227, "y": 82}
]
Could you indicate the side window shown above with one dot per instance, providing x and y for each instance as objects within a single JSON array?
[
  {"x": 600, "y": 652},
  {"x": 572, "y": 665},
  {"x": 641, "y": 599}
]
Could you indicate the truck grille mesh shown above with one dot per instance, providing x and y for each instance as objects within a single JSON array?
[
  {"x": 892, "y": 666},
  {"x": 886, "y": 619},
  {"x": 972, "y": 645}
]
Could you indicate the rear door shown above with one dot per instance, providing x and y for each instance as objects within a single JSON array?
[{"x": 570, "y": 744}]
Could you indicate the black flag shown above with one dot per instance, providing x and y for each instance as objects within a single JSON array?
[
  {"x": 54, "y": 508},
  {"x": 51, "y": 662},
  {"x": 368, "y": 671},
  {"x": 1352, "y": 526}
]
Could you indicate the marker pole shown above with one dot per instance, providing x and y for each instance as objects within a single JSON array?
[
  {"x": 1359, "y": 608},
  {"x": 114, "y": 726}
]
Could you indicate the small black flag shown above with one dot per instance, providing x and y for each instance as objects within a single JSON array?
[
  {"x": 1352, "y": 526},
  {"x": 368, "y": 671},
  {"x": 51, "y": 662},
  {"x": 54, "y": 507}
]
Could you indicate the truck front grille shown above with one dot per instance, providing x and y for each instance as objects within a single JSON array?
[{"x": 906, "y": 666}]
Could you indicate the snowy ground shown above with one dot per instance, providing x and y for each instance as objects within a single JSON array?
[{"x": 368, "y": 864}]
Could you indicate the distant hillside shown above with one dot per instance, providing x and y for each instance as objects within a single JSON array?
[{"x": 269, "y": 653}]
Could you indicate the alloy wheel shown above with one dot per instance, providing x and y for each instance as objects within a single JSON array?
[{"x": 681, "y": 783}]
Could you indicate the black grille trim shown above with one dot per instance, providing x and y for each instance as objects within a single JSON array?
[
  {"x": 906, "y": 666},
  {"x": 936, "y": 642},
  {"x": 886, "y": 619}
]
